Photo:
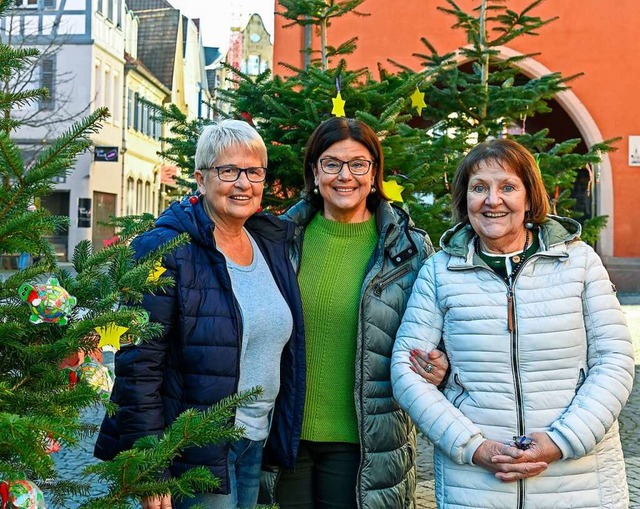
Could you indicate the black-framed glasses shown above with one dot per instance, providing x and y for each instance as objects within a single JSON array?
[
  {"x": 332, "y": 165},
  {"x": 231, "y": 173}
]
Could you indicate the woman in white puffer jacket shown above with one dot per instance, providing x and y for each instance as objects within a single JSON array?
[{"x": 541, "y": 357}]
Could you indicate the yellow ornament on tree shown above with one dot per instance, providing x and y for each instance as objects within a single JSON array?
[
  {"x": 156, "y": 272},
  {"x": 338, "y": 105},
  {"x": 392, "y": 190},
  {"x": 417, "y": 100},
  {"x": 110, "y": 335}
]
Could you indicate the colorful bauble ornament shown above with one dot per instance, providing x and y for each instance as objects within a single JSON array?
[
  {"x": 97, "y": 376},
  {"x": 130, "y": 339},
  {"x": 24, "y": 494},
  {"x": 51, "y": 445},
  {"x": 49, "y": 302}
]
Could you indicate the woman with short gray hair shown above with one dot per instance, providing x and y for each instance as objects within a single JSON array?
[{"x": 232, "y": 321}]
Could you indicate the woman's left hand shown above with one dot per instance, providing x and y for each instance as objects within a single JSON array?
[
  {"x": 431, "y": 366},
  {"x": 542, "y": 449}
]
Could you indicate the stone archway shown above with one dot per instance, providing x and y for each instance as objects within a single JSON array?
[{"x": 591, "y": 135}]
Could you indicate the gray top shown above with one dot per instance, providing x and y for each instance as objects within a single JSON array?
[{"x": 266, "y": 327}]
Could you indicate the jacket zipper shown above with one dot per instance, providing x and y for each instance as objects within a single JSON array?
[
  {"x": 513, "y": 329},
  {"x": 511, "y": 320},
  {"x": 379, "y": 252},
  {"x": 390, "y": 278}
]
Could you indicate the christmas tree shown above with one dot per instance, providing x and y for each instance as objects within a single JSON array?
[
  {"x": 426, "y": 120},
  {"x": 49, "y": 316}
]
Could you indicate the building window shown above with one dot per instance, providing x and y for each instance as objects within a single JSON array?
[
  {"x": 33, "y": 4},
  {"x": 108, "y": 92},
  {"x": 49, "y": 4},
  {"x": 97, "y": 79},
  {"x": 110, "y": 10},
  {"x": 139, "y": 203},
  {"x": 136, "y": 111},
  {"x": 99, "y": 9},
  {"x": 117, "y": 90},
  {"x": 47, "y": 80},
  {"x": 130, "y": 108},
  {"x": 130, "y": 197}
]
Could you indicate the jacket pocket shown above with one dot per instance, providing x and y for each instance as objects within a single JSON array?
[
  {"x": 460, "y": 391},
  {"x": 390, "y": 278},
  {"x": 582, "y": 376}
]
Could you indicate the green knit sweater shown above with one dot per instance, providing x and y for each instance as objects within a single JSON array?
[{"x": 332, "y": 268}]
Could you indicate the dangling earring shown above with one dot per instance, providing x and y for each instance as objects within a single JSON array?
[
  {"x": 373, "y": 190},
  {"x": 528, "y": 223},
  {"x": 193, "y": 199},
  {"x": 315, "y": 190}
]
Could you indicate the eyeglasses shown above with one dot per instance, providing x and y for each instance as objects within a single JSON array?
[
  {"x": 231, "y": 173},
  {"x": 332, "y": 165}
]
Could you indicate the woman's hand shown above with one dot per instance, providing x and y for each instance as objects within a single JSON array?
[
  {"x": 157, "y": 502},
  {"x": 541, "y": 450},
  {"x": 431, "y": 366},
  {"x": 512, "y": 466}
]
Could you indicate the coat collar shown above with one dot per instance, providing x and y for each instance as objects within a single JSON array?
[
  {"x": 553, "y": 234},
  {"x": 393, "y": 225}
]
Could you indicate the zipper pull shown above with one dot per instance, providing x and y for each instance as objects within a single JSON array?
[{"x": 510, "y": 310}]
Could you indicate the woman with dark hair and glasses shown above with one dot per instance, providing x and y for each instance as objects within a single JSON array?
[
  {"x": 356, "y": 257},
  {"x": 232, "y": 321}
]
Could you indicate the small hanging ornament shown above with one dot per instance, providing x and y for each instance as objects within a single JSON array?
[
  {"x": 4, "y": 494},
  {"x": 110, "y": 335},
  {"x": 247, "y": 118},
  {"x": 446, "y": 181},
  {"x": 338, "y": 102},
  {"x": 24, "y": 494},
  {"x": 392, "y": 190},
  {"x": 51, "y": 445},
  {"x": 417, "y": 100},
  {"x": 131, "y": 340},
  {"x": 98, "y": 376},
  {"x": 49, "y": 302},
  {"x": 157, "y": 271}
]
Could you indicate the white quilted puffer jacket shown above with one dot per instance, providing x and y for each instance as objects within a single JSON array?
[{"x": 566, "y": 369}]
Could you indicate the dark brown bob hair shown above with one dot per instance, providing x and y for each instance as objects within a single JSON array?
[
  {"x": 338, "y": 129},
  {"x": 510, "y": 155}
]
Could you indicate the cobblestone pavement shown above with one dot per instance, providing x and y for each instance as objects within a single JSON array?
[{"x": 71, "y": 461}]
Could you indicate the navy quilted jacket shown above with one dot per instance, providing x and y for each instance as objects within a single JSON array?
[{"x": 195, "y": 363}]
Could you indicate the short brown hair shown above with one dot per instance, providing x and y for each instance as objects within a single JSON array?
[
  {"x": 515, "y": 157},
  {"x": 338, "y": 129}
]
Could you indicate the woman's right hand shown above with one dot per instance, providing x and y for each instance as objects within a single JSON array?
[
  {"x": 157, "y": 502},
  {"x": 422, "y": 361},
  {"x": 486, "y": 454}
]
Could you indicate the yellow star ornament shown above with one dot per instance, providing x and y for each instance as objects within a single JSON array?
[
  {"x": 156, "y": 272},
  {"x": 392, "y": 190},
  {"x": 417, "y": 101},
  {"x": 110, "y": 335},
  {"x": 338, "y": 106}
]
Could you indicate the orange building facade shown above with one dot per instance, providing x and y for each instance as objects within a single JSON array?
[{"x": 596, "y": 38}]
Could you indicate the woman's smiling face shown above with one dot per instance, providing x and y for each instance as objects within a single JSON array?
[
  {"x": 496, "y": 203},
  {"x": 345, "y": 194}
]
